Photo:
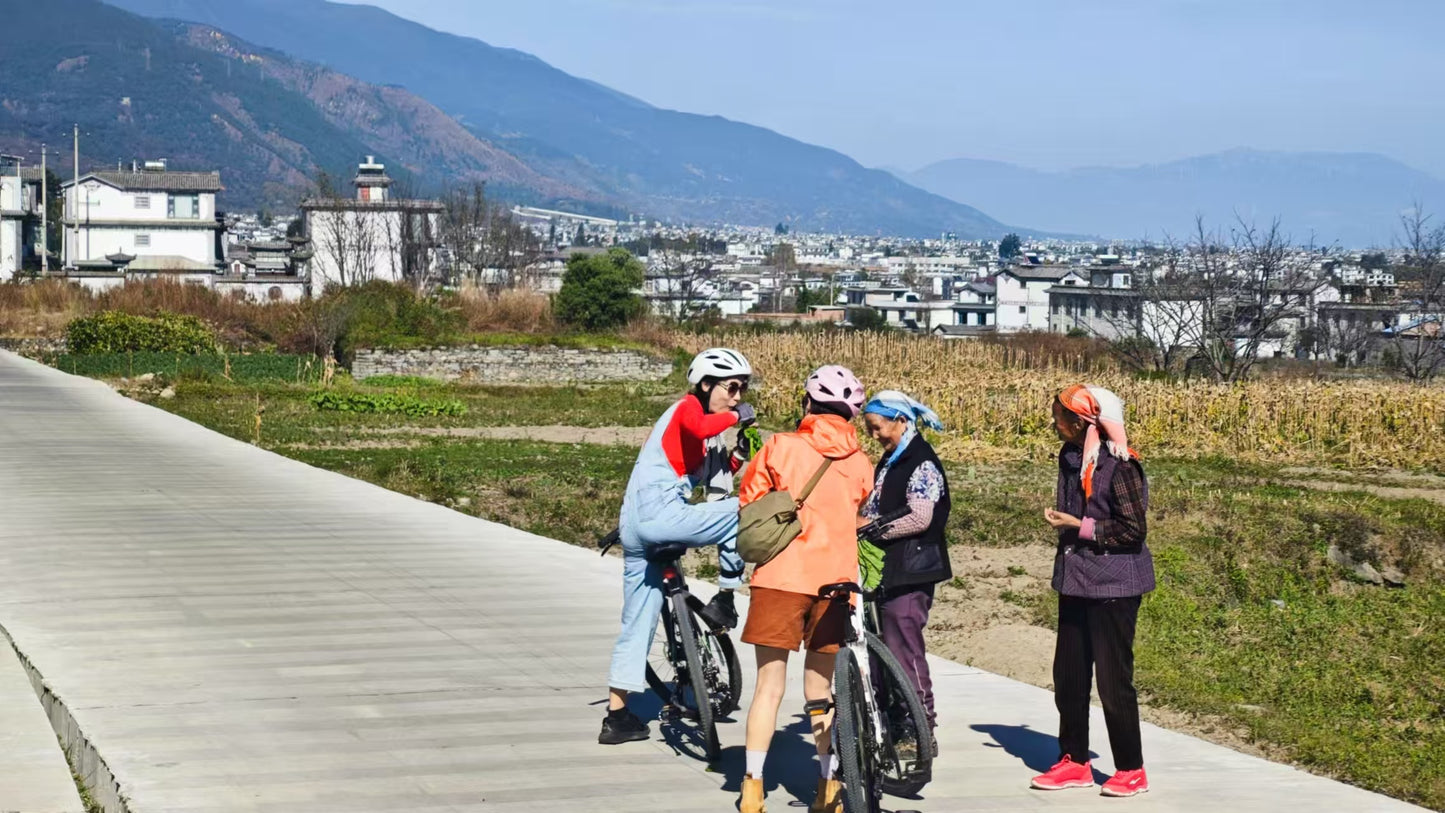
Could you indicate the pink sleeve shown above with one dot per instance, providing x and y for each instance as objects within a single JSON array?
[{"x": 1086, "y": 529}]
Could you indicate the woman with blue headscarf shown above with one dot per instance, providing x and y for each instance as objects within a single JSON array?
[{"x": 914, "y": 550}]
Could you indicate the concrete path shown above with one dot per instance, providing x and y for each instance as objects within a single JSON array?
[
  {"x": 33, "y": 775},
  {"x": 233, "y": 631}
]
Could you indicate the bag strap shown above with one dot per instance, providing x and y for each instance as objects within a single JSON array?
[{"x": 817, "y": 475}]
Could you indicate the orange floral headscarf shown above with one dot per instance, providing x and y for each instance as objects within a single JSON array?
[{"x": 1104, "y": 413}]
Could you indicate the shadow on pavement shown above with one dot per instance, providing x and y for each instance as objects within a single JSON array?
[
  {"x": 1037, "y": 750},
  {"x": 791, "y": 769}
]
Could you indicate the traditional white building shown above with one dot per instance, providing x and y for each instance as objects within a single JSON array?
[
  {"x": 19, "y": 218},
  {"x": 371, "y": 236},
  {"x": 163, "y": 222},
  {"x": 1023, "y": 294}
]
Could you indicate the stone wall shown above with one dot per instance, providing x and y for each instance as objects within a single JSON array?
[
  {"x": 513, "y": 365},
  {"x": 33, "y": 348}
]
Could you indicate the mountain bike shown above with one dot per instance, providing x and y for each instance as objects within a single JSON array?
[
  {"x": 868, "y": 727},
  {"x": 696, "y": 673}
]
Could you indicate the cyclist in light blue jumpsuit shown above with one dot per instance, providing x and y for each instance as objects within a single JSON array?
[{"x": 684, "y": 450}]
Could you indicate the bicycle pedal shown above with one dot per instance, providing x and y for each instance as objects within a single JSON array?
[{"x": 817, "y": 708}]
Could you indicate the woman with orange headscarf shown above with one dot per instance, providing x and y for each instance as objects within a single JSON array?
[{"x": 1102, "y": 569}]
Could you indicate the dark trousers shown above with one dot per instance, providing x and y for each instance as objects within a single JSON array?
[
  {"x": 1097, "y": 634},
  {"x": 901, "y": 619}
]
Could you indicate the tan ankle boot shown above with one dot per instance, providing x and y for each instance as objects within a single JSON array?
[
  {"x": 830, "y": 797},
  {"x": 752, "y": 801}
]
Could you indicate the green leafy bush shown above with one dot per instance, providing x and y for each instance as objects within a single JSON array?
[
  {"x": 117, "y": 332},
  {"x": 386, "y": 403},
  {"x": 384, "y": 314},
  {"x": 600, "y": 292}
]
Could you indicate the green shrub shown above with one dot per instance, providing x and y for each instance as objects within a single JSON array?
[
  {"x": 386, "y": 403},
  {"x": 599, "y": 292},
  {"x": 384, "y": 314},
  {"x": 117, "y": 332}
]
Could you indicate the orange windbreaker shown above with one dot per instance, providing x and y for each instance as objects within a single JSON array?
[{"x": 827, "y": 549}]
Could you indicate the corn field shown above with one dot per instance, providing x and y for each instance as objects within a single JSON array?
[{"x": 995, "y": 400}]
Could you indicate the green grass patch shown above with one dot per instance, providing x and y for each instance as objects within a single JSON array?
[
  {"x": 242, "y": 368},
  {"x": 412, "y": 382},
  {"x": 564, "y": 491}
]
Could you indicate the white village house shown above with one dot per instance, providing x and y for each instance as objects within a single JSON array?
[
  {"x": 1022, "y": 294},
  {"x": 146, "y": 222},
  {"x": 19, "y": 218},
  {"x": 371, "y": 236}
]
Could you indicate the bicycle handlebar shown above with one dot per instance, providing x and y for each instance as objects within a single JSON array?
[
  {"x": 612, "y": 538},
  {"x": 876, "y": 528}
]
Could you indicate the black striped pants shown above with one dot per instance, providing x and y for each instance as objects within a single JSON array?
[{"x": 1097, "y": 635}]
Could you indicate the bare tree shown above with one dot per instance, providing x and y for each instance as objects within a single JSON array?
[
  {"x": 1262, "y": 290},
  {"x": 484, "y": 242},
  {"x": 346, "y": 244},
  {"x": 680, "y": 277},
  {"x": 343, "y": 243},
  {"x": 1419, "y": 350},
  {"x": 1161, "y": 324}
]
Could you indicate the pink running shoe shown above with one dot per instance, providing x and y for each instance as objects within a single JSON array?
[
  {"x": 1066, "y": 774},
  {"x": 1127, "y": 783}
]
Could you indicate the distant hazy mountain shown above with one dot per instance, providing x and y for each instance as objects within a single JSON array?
[
  {"x": 660, "y": 162},
  {"x": 1351, "y": 198}
]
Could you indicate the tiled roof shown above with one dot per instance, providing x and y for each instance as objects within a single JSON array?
[
  {"x": 1052, "y": 272},
  {"x": 159, "y": 181}
]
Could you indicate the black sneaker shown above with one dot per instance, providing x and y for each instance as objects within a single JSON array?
[
  {"x": 720, "y": 613},
  {"x": 618, "y": 728}
]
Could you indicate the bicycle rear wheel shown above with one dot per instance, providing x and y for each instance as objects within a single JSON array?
[
  {"x": 902, "y": 711},
  {"x": 854, "y": 726}
]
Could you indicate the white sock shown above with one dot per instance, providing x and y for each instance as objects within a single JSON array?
[
  {"x": 755, "y": 760},
  {"x": 827, "y": 765}
]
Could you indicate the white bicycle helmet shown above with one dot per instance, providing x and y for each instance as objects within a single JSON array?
[{"x": 718, "y": 362}]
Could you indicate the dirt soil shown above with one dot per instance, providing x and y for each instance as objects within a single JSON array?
[{"x": 1391, "y": 485}]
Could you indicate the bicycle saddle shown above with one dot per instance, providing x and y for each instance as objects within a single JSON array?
[
  {"x": 665, "y": 552},
  {"x": 838, "y": 590}
]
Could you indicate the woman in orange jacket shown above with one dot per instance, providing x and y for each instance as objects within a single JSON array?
[{"x": 785, "y": 612}]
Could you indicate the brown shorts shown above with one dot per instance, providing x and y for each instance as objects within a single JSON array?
[{"x": 785, "y": 620}]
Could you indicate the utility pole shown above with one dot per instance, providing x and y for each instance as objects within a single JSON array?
[
  {"x": 44, "y": 214},
  {"x": 74, "y": 195}
]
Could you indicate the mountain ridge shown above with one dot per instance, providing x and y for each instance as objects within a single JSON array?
[
  {"x": 141, "y": 88},
  {"x": 664, "y": 164},
  {"x": 1354, "y": 198}
]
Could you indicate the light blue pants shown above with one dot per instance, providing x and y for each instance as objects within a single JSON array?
[{"x": 661, "y": 516}]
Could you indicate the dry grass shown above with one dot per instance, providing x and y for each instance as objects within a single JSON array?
[
  {"x": 994, "y": 399},
  {"x": 512, "y": 310}
]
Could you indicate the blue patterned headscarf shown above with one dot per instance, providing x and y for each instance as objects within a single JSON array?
[{"x": 894, "y": 405}]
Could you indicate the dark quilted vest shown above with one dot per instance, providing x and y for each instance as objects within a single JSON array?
[{"x": 1085, "y": 569}]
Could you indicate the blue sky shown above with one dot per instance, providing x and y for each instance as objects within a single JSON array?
[{"x": 1043, "y": 83}]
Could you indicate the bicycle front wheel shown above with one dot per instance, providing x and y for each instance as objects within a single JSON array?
[
  {"x": 902, "y": 773},
  {"x": 691, "y": 631},
  {"x": 855, "y": 736},
  {"x": 720, "y": 661}
]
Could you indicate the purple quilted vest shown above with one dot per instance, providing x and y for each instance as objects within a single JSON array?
[{"x": 1084, "y": 569}]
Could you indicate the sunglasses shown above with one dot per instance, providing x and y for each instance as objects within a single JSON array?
[{"x": 737, "y": 387}]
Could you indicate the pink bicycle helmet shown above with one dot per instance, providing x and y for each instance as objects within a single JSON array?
[{"x": 835, "y": 384}]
